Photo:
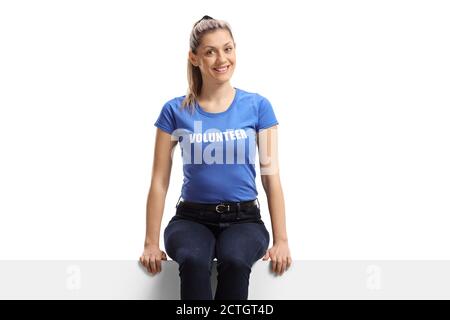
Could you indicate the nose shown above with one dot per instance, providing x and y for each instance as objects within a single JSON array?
[{"x": 221, "y": 58}]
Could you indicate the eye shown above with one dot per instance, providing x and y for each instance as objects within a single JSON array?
[
  {"x": 209, "y": 52},
  {"x": 229, "y": 48}
]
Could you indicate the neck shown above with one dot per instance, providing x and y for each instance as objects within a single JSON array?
[{"x": 216, "y": 92}]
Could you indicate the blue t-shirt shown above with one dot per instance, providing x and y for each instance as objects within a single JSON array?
[{"x": 218, "y": 149}]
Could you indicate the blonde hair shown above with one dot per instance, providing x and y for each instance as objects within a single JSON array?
[{"x": 194, "y": 76}]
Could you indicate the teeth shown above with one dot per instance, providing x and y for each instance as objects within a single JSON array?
[{"x": 221, "y": 69}]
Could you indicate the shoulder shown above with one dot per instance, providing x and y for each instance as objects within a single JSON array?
[
  {"x": 249, "y": 94},
  {"x": 170, "y": 114},
  {"x": 262, "y": 107},
  {"x": 255, "y": 99},
  {"x": 174, "y": 103}
]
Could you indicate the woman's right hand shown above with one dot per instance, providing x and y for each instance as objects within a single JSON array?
[{"x": 151, "y": 258}]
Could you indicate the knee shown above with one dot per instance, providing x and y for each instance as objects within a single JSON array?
[
  {"x": 193, "y": 262},
  {"x": 234, "y": 264}
]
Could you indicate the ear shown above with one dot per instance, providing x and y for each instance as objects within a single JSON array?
[{"x": 192, "y": 58}]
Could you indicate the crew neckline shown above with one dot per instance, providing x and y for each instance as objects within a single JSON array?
[{"x": 216, "y": 114}]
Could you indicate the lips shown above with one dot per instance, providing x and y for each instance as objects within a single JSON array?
[{"x": 222, "y": 69}]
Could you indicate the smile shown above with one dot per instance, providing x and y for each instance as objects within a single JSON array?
[{"x": 221, "y": 70}]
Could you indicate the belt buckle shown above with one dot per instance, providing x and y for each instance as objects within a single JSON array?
[{"x": 222, "y": 205}]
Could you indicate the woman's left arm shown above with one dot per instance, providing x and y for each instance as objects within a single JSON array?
[{"x": 279, "y": 253}]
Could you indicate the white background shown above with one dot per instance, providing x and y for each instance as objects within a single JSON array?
[{"x": 360, "y": 88}]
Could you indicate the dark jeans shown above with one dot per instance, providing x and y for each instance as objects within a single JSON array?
[{"x": 193, "y": 238}]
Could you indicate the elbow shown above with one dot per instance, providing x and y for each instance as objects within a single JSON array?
[
  {"x": 265, "y": 181},
  {"x": 159, "y": 185},
  {"x": 270, "y": 182}
]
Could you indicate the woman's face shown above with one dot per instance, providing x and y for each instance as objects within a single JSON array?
[{"x": 215, "y": 56}]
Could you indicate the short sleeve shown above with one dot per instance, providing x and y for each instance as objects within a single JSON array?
[
  {"x": 266, "y": 115},
  {"x": 166, "y": 119}
]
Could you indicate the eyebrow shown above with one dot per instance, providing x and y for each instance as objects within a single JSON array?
[{"x": 215, "y": 48}]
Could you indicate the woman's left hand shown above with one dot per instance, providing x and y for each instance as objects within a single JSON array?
[{"x": 280, "y": 256}]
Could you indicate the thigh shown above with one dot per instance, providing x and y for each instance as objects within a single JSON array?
[
  {"x": 246, "y": 241},
  {"x": 184, "y": 238}
]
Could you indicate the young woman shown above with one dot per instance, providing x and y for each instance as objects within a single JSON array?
[{"x": 218, "y": 127}]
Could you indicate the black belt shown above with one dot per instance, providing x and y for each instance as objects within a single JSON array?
[{"x": 221, "y": 207}]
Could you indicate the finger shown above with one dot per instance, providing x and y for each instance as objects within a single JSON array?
[
  {"x": 149, "y": 267},
  {"x": 274, "y": 265},
  {"x": 143, "y": 261},
  {"x": 159, "y": 263},
  {"x": 284, "y": 265},
  {"x": 158, "y": 266},
  {"x": 279, "y": 265},
  {"x": 266, "y": 256},
  {"x": 147, "y": 263},
  {"x": 164, "y": 256},
  {"x": 152, "y": 265}
]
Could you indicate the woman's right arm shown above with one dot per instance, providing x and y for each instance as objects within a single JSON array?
[{"x": 162, "y": 166}]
